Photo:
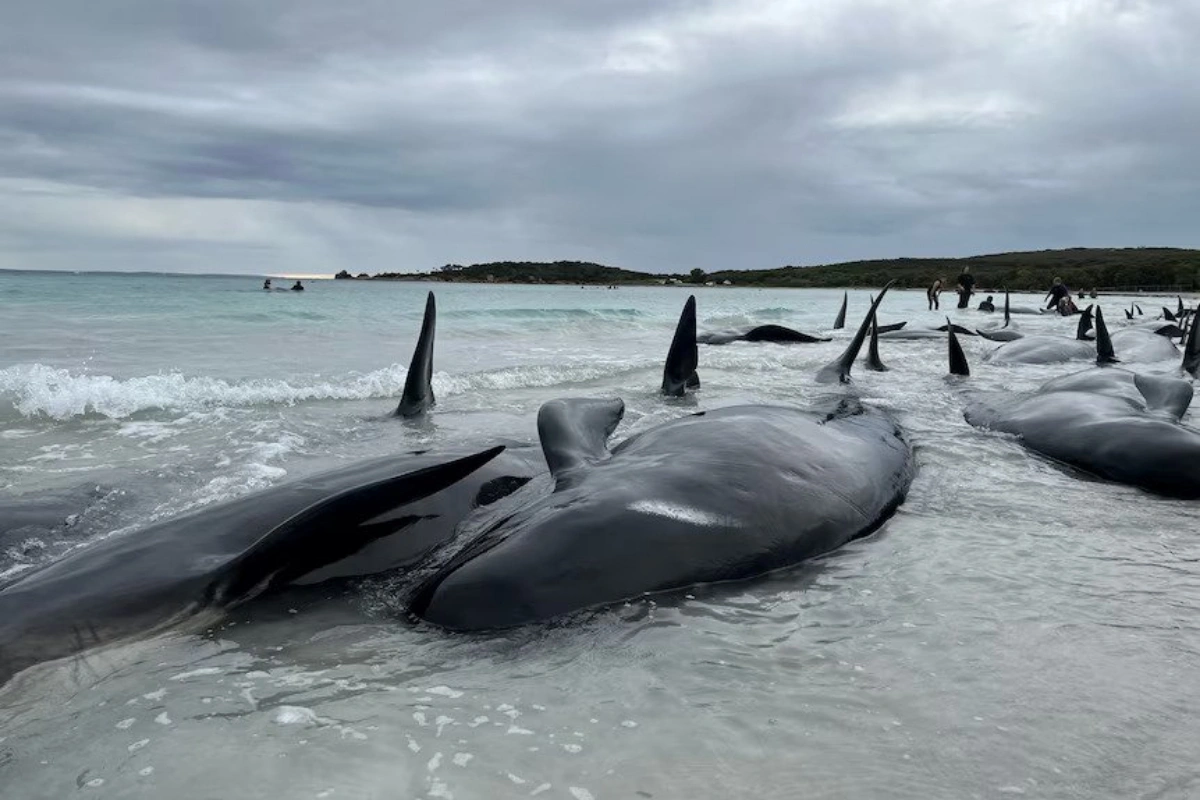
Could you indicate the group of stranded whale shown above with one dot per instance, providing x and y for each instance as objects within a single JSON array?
[{"x": 501, "y": 536}]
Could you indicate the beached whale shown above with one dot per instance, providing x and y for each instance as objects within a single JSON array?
[
  {"x": 776, "y": 334},
  {"x": 1046, "y": 349},
  {"x": 192, "y": 566},
  {"x": 717, "y": 496},
  {"x": 1113, "y": 423}
]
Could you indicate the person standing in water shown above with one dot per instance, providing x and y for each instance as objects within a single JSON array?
[
  {"x": 1058, "y": 291},
  {"x": 987, "y": 305},
  {"x": 966, "y": 287},
  {"x": 299, "y": 287},
  {"x": 267, "y": 285},
  {"x": 932, "y": 293}
]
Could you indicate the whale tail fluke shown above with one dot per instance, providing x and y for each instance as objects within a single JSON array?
[
  {"x": 1191, "y": 348},
  {"x": 840, "y": 322},
  {"x": 418, "y": 384},
  {"x": 679, "y": 373},
  {"x": 839, "y": 369},
  {"x": 303, "y": 542},
  {"x": 1104, "y": 348},
  {"x": 958, "y": 359},
  {"x": 874, "y": 362}
]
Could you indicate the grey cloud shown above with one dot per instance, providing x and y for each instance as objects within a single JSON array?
[{"x": 646, "y": 134}]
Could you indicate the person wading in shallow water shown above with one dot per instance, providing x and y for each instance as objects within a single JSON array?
[
  {"x": 966, "y": 287},
  {"x": 1058, "y": 292},
  {"x": 932, "y": 293},
  {"x": 987, "y": 305}
]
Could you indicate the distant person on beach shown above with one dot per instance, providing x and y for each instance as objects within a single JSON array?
[
  {"x": 987, "y": 305},
  {"x": 299, "y": 287},
  {"x": 1058, "y": 292},
  {"x": 1093, "y": 294},
  {"x": 966, "y": 287},
  {"x": 932, "y": 293},
  {"x": 267, "y": 284}
]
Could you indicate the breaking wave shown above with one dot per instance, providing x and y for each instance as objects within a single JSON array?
[{"x": 37, "y": 390}]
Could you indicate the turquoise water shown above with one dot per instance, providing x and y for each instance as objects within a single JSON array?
[{"x": 1015, "y": 630}]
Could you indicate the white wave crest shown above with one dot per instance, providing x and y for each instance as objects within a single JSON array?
[{"x": 38, "y": 390}]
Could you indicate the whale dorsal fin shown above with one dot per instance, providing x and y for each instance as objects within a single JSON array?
[
  {"x": 1167, "y": 315},
  {"x": 1172, "y": 395},
  {"x": 679, "y": 373},
  {"x": 1180, "y": 311},
  {"x": 958, "y": 359},
  {"x": 574, "y": 432},
  {"x": 873, "y": 360},
  {"x": 1085, "y": 324},
  {"x": 839, "y": 370},
  {"x": 304, "y": 543},
  {"x": 1007, "y": 319},
  {"x": 840, "y": 322},
  {"x": 956, "y": 328},
  {"x": 1191, "y": 348},
  {"x": 418, "y": 385},
  {"x": 1104, "y": 348}
]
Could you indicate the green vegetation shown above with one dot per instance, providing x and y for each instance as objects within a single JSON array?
[
  {"x": 530, "y": 272},
  {"x": 1149, "y": 268},
  {"x": 1080, "y": 268}
]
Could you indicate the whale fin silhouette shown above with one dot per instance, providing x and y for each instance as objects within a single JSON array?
[
  {"x": 958, "y": 359},
  {"x": 574, "y": 432},
  {"x": 956, "y": 328},
  {"x": 840, "y": 322},
  {"x": 1139, "y": 310},
  {"x": 679, "y": 373},
  {"x": 418, "y": 385},
  {"x": 1129, "y": 313},
  {"x": 1104, "y": 348},
  {"x": 1007, "y": 318},
  {"x": 1085, "y": 324},
  {"x": 1170, "y": 395},
  {"x": 1180, "y": 311},
  {"x": 873, "y": 360},
  {"x": 1191, "y": 349},
  {"x": 1167, "y": 315},
  {"x": 893, "y": 326},
  {"x": 304, "y": 542},
  {"x": 839, "y": 370}
]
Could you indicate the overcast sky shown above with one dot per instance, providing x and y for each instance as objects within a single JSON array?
[{"x": 373, "y": 135}]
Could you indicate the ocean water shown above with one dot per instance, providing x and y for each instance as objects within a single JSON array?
[{"x": 1015, "y": 630}]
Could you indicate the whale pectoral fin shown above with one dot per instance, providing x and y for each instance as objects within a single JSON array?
[
  {"x": 1104, "y": 348},
  {"x": 1085, "y": 324},
  {"x": 418, "y": 384},
  {"x": 1191, "y": 349},
  {"x": 683, "y": 357},
  {"x": 958, "y": 359},
  {"x": 839, "y": 370},
  {"x": 1172, "y": 395},
  {"x": 575, "y": 431},
  {"x": 873, "y": 360},
  {"x": 840, "y": 322},
  {"x": 332, "y": 529}
]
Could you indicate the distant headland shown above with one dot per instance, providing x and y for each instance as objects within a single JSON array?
[{"x": 1162, "y": 269}]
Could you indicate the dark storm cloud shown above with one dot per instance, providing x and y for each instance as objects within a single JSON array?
[{"x": 381, "y": 135}]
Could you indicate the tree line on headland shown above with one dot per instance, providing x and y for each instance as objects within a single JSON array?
[{"x": 1126, "y": 269}]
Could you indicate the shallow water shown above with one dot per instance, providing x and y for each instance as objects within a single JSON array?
[{"x": 1016, "y": 629}]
